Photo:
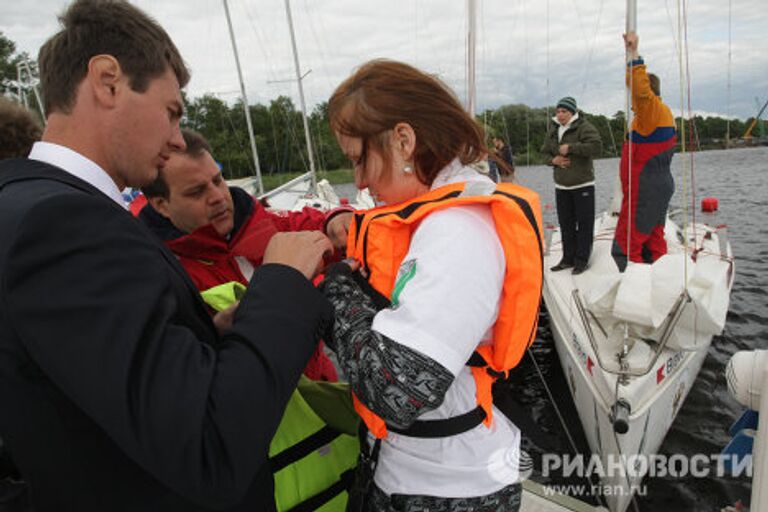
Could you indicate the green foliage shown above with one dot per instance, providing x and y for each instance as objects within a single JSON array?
[
  {"x": 525, "y": 128},
  {"x": 7, "y": 61},
  {"x": 279, "y": 134}
]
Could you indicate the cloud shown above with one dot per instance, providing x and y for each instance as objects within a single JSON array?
[{"x": 529, "y": 51}]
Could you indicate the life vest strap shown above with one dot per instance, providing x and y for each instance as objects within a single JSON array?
[
  {"x": 445, "y": 427},
  {"x": 456, "y": 424},
  {"x": 318, "y": 500},
  {"x": 476, "y": 360},
  {"x": 300, "y": 450}
]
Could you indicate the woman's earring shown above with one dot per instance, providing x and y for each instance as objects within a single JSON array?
[{"x": 407, "y": 169}]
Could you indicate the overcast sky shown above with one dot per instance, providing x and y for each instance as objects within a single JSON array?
[{"x": 528, "y": 51}]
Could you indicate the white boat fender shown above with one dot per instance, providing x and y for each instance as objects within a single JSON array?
[
  {"x": 744, "y": 373},
  {"x": 620, "y": 416}
]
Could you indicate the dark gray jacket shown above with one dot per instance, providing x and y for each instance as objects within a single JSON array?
[
  {"x": 116, "y": 392},
  {"x": 584, "y": 144}
]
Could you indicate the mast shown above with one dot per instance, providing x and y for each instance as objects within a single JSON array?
[
  {"x": 631, "y": 15},
  {"x": 471, "y": 43},
  {"x": 259, "y": 183},
  {"x": 313, "y": 175},
  {"x": 630, "y": 27}
]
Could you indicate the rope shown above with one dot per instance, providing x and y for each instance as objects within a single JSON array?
[
  {"x": 621, "y": 454},
  {"x": 560, "y": 417},
  {"x": 552, "y": 399}
]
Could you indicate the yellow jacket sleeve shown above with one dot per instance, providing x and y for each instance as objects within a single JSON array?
[{"x": 650, "y": 112}]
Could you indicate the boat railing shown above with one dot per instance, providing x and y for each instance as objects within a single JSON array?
[
  {"x": 288, "y": 185},
  {"x": 667, "y": 329}
]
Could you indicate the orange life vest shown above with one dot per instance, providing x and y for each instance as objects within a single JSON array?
[{"x": 379, "y": 239}]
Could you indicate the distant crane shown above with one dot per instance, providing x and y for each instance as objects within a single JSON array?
[{"x": 748, "y": 133}]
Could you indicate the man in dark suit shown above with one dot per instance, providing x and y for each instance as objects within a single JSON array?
[{"x": 117, "y": 390}]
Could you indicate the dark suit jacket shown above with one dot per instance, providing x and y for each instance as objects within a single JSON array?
[{"x": 116, "y": 393}]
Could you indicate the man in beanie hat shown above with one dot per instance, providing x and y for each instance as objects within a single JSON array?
[
  {"x": 568, "y": 103},
  {"x": 571, "y": 144},
  {"x": 646, "y": 179}
]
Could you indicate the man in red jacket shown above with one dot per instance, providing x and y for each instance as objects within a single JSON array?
[
  {"x": 219, "y": 233},
  {"x": 645, "y": 168}
]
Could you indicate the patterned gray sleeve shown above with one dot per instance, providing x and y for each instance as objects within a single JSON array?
[{"x": 392, "y": 380}]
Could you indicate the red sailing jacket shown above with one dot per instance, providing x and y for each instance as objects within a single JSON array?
[{"x": 210, "y": 259}]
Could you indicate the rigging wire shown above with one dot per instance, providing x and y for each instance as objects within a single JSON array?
[
  {"x": 590, "y": 45},
  {"x": 525, "y": 73},
  {"x": 261, "y": 40},
  {"x": 628, "y": 119},
  {"x": 549, "y": 99},
  {"x": 728, "y": 86},
  {"x": 273, "y": 76},
  {"x": 683, "y": 153},
  {"x": 673, "y": 30},
  {"x": 691, "y": 120},
  {"x": 321, "y": 44}
]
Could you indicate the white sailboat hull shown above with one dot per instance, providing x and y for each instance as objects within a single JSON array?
[{"x": 655, "y": 396}]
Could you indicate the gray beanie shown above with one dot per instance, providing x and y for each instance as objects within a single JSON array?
[{"x": 567, "y": 103}]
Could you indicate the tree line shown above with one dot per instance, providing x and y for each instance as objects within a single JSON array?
[{"x": 281, "y": 146}]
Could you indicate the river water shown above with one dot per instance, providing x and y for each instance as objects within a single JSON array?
[{"x": 738, "y": 179}]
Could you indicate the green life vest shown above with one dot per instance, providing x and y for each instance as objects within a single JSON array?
[{"x": 315, "y": 449}]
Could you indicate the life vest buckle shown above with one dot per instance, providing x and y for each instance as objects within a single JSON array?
[{"x": 497, "y": 375}]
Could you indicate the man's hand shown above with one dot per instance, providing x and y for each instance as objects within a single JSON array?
[
  {"x": 561, "y": 161},
  {"x": 632, "y": 43},
  {"x": 564, "y": 149},
  {"x": 338, "y": 228},
  {"x": 223, "y": 319},
  {"x": 302, "y": 250}
]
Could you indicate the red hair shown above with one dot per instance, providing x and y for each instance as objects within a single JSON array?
[{"x": 382, "y": 93}]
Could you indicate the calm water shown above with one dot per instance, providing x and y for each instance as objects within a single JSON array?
[{"x": 738, "y": 179}]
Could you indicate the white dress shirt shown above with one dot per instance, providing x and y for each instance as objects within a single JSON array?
[{"x": 79, "y": 166}]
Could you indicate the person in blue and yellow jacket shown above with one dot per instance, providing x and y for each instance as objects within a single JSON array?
[{"x": 646, "y": 179}]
